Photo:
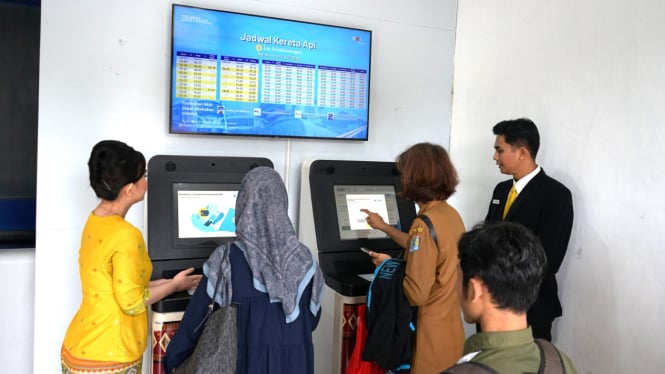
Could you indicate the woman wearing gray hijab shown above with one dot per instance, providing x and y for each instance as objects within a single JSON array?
[{"x": 275, "y": 282}]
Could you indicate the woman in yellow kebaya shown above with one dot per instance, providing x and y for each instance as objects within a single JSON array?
[{"x": 109, "y": 332}]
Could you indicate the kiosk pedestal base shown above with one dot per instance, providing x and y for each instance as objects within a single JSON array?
[
  {"x": 336, "y": 332},
  {"x": 164, "y": 326},
  {"x": 349, "y": 329}
]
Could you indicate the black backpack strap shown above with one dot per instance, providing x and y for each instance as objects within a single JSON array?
[
  {"x": 470, "y": 367},
  {"x": 430, "y": 227},
  {"x": 550, "y": 358}
]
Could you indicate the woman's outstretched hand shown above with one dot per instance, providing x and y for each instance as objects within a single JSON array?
[
  {"x": 377, "y": 257},
  {"x": 374, "y": 220},
  {"x": 185, "y": 280}
]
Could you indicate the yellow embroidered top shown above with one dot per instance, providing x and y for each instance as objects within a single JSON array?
[{"x": 112, "y": 321}]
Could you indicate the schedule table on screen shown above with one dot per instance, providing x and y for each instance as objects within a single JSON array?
[
  {"x": 342, "y": 87},
  {"x": 196, "y": 76},
  {"x": 238, "y": 80},
  {"x": 287, "y": 83}
]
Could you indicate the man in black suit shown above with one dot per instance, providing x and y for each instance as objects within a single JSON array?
[{"x": 540, "y": 203}]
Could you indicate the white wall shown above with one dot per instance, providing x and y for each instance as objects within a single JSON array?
[
  {"x": 591, "y": 74},
  {"x": 17, "y": 281},
  {"x": 104, "y": 73}
]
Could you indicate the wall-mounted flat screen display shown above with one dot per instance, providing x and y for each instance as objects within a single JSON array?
[
  {"x": 351, "y": 221},
  {"x": 250, "y": 75}
]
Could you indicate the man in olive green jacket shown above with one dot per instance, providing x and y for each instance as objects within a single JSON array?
[{"x": 501, "y": 268}]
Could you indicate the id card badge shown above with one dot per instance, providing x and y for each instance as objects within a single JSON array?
[{"x": 414, "y": 244}]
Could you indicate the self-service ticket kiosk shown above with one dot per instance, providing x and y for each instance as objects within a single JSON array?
[
  {"x": 191, "y": 203},
  {"x": 332, "y": 225}
]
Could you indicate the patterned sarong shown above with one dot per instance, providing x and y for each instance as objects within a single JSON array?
[{"x": 74, "y": 365}]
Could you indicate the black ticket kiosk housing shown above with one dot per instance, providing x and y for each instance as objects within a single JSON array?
[
  {"x": 339, "y": 189},
  {"x": 191, "y": 205}
]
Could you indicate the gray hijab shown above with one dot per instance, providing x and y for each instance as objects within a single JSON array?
[{"x": 281, "y": 265}]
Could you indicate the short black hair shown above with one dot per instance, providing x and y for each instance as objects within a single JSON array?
[
  {"x": 519, "y": 132},
  {"x": 508, "y": 258},
  {"x": 112, "y": 165}
]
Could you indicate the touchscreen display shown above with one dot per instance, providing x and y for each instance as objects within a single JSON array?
[
  {"x": 205, "y": 213},
  {"x": 351, "y": 221}
]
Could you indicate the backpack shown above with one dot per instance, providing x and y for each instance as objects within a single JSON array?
[
  {"x": 389, "y": 318},
  {"x": 550, "y": 362}
]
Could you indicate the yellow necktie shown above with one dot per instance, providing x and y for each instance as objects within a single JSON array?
[{"x": 509, "y": 201}]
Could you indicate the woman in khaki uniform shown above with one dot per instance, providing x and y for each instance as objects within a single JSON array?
[{"x": 429, "y": 179}]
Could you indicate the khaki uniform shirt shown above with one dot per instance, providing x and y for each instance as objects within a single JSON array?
[{"x": 429, "y": 283}]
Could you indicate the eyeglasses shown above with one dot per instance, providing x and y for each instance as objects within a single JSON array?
[{"x": 144, "y": 175}]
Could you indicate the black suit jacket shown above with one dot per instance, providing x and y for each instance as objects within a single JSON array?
[{"x": 546, "y": 207}]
